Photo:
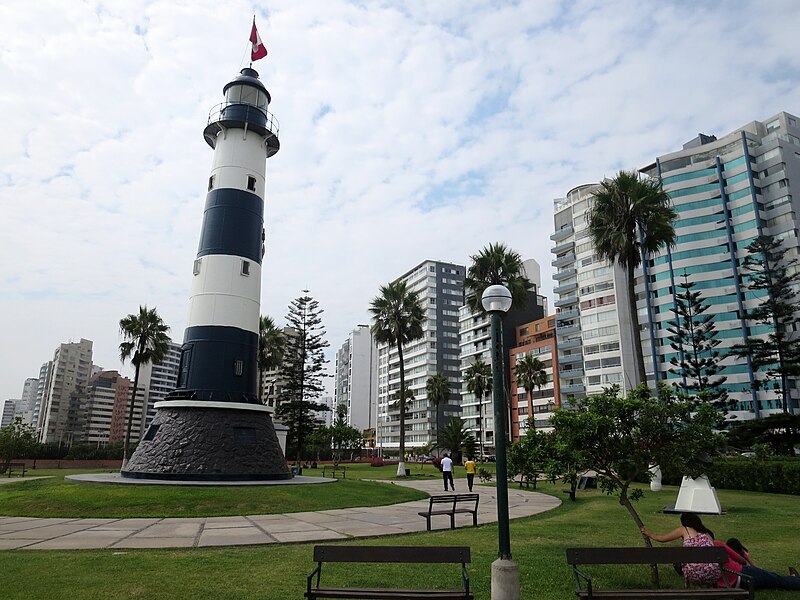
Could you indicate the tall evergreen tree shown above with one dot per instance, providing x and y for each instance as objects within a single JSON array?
[
  {"x": 694, "y": 338},
  {"x": 302, "y": 372},
  {"x": 478, "y": 378},
  {"x": 437, "y": 389},
  {"x": 397, "y": 317},
  {"x": 146, "y": 341},
  {"x": 768, "y": 270},
  {"x": 631, "y": 217}
]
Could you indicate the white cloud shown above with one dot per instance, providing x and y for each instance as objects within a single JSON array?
[{"x": 408, "y": 131}]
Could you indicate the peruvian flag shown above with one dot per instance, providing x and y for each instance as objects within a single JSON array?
[{"x": 258, "y": 50}]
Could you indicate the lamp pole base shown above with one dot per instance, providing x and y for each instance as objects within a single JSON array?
[{"x": 505, "y": 580}]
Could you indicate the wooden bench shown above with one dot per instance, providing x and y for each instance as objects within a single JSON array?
[
  {"x": 333, "y": 470},
  {"x": 18, "y": 467},
  {"x": 389, "y": 554},
  {"x": 450, "y": 505},
  {"x": 651, "y": 556}
]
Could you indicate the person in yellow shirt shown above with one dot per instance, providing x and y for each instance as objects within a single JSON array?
[{"x": 470, "y": 468}]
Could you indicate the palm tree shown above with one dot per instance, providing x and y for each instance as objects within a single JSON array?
[
  {"x": 271, "y": 347},
  {"x": 631, "y": 218},
  {"x": 496, "y": 264},
  {"x": 529, "y": 372},
  {"x": 438, "y": 391},
  {"x": 397, "y": 318},
  {"x": 456, "y": 438},
  {"x": 146, "y": 341},
  {"x": 479, "y": 382}
]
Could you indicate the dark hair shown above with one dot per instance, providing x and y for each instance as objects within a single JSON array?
[
  {"x": 737, "y": 546},
  {"x": 693, "y": 520}
]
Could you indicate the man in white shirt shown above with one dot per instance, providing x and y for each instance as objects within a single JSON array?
[{"x": 447, "y": 472}]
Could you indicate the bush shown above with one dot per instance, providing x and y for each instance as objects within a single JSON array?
[
  {"x": 376, "y": 461},
  {"x": 94, "y": 452},
  {"x": 772, "y": 475}
]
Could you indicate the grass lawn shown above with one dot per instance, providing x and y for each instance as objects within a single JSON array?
[
  {"x": 768, "y": 525},
  {"x": 57, "y": 497}
]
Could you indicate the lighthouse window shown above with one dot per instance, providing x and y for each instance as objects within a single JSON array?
[
  {"x": 211, "y": 183},
  {"x": 249, "y": 95},
  {"x": 196, "y": 269},
  {"x": 238, "y": 368},
  {"x": 245, "y": 267},
  {"x": 251, "y": 183}
]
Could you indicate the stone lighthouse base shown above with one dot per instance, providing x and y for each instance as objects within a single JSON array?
[{"x": 211, "y": 442}]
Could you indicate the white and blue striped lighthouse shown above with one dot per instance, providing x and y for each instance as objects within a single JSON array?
[{"x": 213, "y": 425}]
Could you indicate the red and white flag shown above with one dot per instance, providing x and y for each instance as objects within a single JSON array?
[{"x": 258, "y": 50}]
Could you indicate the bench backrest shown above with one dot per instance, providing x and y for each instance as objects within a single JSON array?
[
  {"x": 392, "y": 554},
  {"x": 645, "y": 556}
]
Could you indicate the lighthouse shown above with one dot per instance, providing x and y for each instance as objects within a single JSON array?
[{"x": 213, "y": 425}]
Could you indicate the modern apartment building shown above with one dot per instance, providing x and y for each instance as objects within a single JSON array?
[
  {"x": 27, "y": 401},
  {"x": 726, "y": 191},
  {"x": 7, "y": 414},
  {"x": 593, "y": 326},
  {"x": 537, "y": 339},
  {"x": 107, "y": 395},
  {"x": 272, "y": 381},
  {"x": 356, "y": 378},
  {"x": 62, "y": 411},
  {"x": 475, "y": 343},
  {"x": 41, "y": 385},
  {"x": 158, "y": 380},
  {"x": 441, "y": 291}
]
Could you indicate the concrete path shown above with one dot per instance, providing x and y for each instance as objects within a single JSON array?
[{"x": 67, "y": 534}]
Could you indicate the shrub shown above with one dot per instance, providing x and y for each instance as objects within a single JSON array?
[
  {"x": 376, "y": 461},
  {"x": 772, "y": 475},
  {"x": 485, "y": 475}
]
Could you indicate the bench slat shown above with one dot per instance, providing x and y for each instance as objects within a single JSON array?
[
  {"x": 645, "y": 556},
  {"x": 392, "y": 554},
  {"x": 667, "y": 594},
  {"x": 378, "y": 594}
]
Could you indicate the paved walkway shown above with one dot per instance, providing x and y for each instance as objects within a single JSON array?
[{"x": 63, "y": 534}]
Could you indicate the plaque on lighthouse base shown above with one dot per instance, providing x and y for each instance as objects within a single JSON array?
[{"x": 211, "y": 442}]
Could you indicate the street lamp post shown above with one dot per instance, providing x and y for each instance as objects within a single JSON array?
[{"x": 496, "y": 300}]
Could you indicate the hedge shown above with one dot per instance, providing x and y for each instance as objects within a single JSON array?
[{"x": 772, "y": 475}]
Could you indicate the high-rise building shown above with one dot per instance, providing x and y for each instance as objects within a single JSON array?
[
  {"x": 41, "y": 385},
  {"x": 441, "y": 291},
  {"x": 537, "y": 339},
  {"x": 7, "y": 417},
  {"x": 27, "y": 401},
  {"x": 327, "y": 416},
  {"x": 61, "y": 417},
  {"x": 593, "y": 325},
  {"x": 158, "y": 380},
  {"x": 107, "y": 395},
  {"x": 356, "y": 378},
  {"x": 475, "y": 342},
  {"x": 726, "y": 192}
]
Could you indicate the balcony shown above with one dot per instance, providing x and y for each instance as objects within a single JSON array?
[
  {"x": 566, "y": 287},
  {"x": 562, "y": 233},
  {"x": 570, "y": 358},
  {"x": 575, "y": 372},
  {"x": 575, "y": 388},
  {"x": 565, "y": 315},
  {"x": 562, "y": 261},
  {"x": 564, "y": 247},
  {"x": 236, "y": 114},
  {"x": 565, "y": 301},
  {"x": 564, "y": 274},
  {"x": 570, "y": 343},
  {"x": 567, "y": 328}
]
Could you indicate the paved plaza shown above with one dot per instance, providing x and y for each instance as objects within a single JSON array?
[{"x": 66, "y": 534}]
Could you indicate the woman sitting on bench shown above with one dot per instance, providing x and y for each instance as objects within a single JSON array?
[{"x": 694, "y": 533}]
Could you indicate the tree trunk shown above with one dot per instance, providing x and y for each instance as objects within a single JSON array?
[
  {"x": 130, "y": 419},
  {"x": 626, "y": 502},
  {"x": 401, "y": 464},
  {"x": 637, "y": 335}
]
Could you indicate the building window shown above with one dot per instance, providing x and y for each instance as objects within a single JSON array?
[
  {"x": 238, "y": 368},
  {"x": 211, "y": 182},
  {"x": 246, "y": 267},
  {"x": 251, "y": 183},
  {"x": 196, "y": 268}
]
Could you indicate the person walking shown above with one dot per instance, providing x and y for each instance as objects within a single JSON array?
[
  {"x": 470, "y": 467},
  {"x": 447, "y": 472}
]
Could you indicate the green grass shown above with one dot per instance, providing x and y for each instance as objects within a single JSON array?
[
  {"x": 768, "y": 525},
  {"x": 57, "y": 497}
]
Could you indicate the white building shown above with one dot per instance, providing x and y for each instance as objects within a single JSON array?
[
  {"x": 7, "y": 417},
  {"x": 62, "y": 411},
  {"x": 27, "y": 401},
  {"x": 441, "y": 291},
  {"x": 158, "y": 380},
  {"x": 107, "y": 397},
  {"x": 356, "y": 378}
]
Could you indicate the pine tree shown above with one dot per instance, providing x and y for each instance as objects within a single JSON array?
[
  {"x": 302, "y": 372},
  {"x": 694, "y": 338},
  {"x": 778, "y": 355}
]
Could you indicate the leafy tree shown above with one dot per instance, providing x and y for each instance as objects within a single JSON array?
[
  {"x": 631, "y": 217},
  {"x": 271, "y": 347},
  {"x": 781, "y": 432},
  {"x": 694, "y": 337},
  {"x": 438, "y": 391},
  {"x": 496, "y": 264},
  {"x": 768, "y": 270},
  {"x": 620, "y": 437},
  {"x": 17, "y": 440},
  {"x": 397, "y": 317},
  {"x": 302, "y": 372},
  {"x": 529, "y": 456},
  {"x": 478, "y": 378},
  {"x": 146, "y": 341},
  {"x": 529, "y": 372},
  {"x": 340, "y": 437},
  {"x": 457, "y": 439}
]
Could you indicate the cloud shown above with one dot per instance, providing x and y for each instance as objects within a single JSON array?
[{"x": 408, "y": 131}]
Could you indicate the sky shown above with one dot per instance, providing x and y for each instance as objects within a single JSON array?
[{"x": 409, "y": 131}]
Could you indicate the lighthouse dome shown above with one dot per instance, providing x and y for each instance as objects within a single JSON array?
[{"x": 246, "y": 88}]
